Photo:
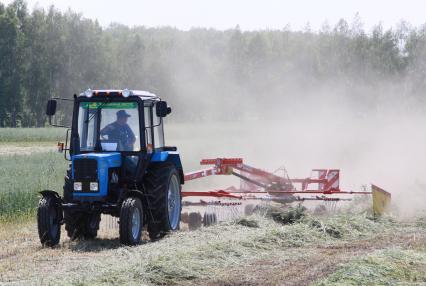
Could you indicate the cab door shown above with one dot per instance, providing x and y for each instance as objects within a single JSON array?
[
  {"x": 154, "y": 132},
  {"x": 149, "y": 132},
  {"x": 158, "y": 130}
]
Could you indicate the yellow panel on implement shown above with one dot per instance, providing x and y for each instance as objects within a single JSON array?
[{"x": 381, "y": 200}]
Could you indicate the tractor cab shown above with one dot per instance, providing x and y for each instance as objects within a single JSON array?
[
  {"x": 120, "y": 132},
  {"x": 117, "y": 153},
  {"x": 125, "y": 126},
  {"x": 119, "y": 121}
]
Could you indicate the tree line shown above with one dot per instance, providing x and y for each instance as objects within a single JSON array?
[{"x": 204, "y": 73}]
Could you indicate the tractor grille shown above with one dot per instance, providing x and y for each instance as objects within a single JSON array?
[{"x": 86, "y": 170}]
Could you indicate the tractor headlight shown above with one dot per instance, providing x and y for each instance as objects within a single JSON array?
[
  {"x": 88, "y": 93},
  {"x": 78, "y": 186},
  {"x": 126, "y": 93},
  {"x": 93, "y": 186}
]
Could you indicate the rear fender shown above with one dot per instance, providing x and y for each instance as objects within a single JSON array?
[
  {"x": 174, "y": 158},
  {"x": 171, "y": 157}
]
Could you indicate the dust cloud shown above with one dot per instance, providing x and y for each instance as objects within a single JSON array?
[{"x": 379, "y": 142}]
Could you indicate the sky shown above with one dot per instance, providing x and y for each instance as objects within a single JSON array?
[{"x": 248, "y": 14}]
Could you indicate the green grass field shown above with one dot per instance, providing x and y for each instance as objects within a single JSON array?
[
  {"x": 26, "y": 168},
  {"x": 23, "y": 176},
  {"x": 31, "y": 134}
]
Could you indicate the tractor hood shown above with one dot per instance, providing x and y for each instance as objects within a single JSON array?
[{"x": 93, "y": 168}]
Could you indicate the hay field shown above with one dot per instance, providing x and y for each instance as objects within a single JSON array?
[{"x": 338, "y": 249}]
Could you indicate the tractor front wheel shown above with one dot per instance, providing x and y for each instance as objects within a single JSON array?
[
  {"x": 49, "y": 216},
  {"x": 131, "y": 221}
]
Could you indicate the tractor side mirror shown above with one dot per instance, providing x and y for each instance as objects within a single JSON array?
[
  {"x": 161, "y": 109},
  {"x": 51, "y": 107}
]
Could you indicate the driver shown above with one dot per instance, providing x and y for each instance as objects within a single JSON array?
[{"x": 120, "y": 131}]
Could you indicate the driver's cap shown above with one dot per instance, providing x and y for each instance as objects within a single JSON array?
[{"x": 122, "y": 113}]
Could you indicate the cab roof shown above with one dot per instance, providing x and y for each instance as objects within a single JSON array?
[{"x": 144, "y": 95}]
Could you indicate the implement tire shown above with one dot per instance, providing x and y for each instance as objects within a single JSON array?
[
  {"x": 164, "y": 200},
  {"x": 49, "y": 219},
  {"x": 209, "y": 219},
  {"x": 131, "y": 221},
  {"x": 194, "y": 220}
]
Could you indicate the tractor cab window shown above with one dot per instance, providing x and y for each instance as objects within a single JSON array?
[
  {"x": 87, "y": 128},
  {"x": 111, "y": 126},
  {"x": 158, "y": 130},
  {"x": 153, "y": 127},
  {"x": 148, "y": 126}
]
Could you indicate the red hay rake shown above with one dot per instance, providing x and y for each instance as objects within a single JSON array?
[
  {"x": 258, "y": 184},
  {"x": 322, "y": 183}
]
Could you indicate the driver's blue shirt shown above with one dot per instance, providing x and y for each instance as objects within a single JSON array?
[{"x": 122, "y": 134}]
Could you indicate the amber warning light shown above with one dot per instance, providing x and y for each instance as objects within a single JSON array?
[{"x": 60, "y": 147}]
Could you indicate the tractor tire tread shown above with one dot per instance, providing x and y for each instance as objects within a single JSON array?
[
  {"x": 43, "y": 213},
  {"x": 155, "y": 185},
  {"x": 125, "y": 227}
]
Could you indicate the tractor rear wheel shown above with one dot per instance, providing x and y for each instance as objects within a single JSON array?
[
  {"x": 49, "y": 221},
  {"x": 131, "y": 221},
  {"x": 164, "y": 201}
]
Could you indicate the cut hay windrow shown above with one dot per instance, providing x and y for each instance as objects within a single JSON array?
[{"x": 188, "y": 257}]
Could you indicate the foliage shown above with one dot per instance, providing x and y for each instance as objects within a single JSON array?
[{"x": 49, "y": 53}]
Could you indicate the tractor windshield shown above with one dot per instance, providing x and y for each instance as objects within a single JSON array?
[{"x": 111, "y": 126}]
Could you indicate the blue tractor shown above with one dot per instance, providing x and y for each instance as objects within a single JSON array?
[{"x": 119, "y": 166}]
